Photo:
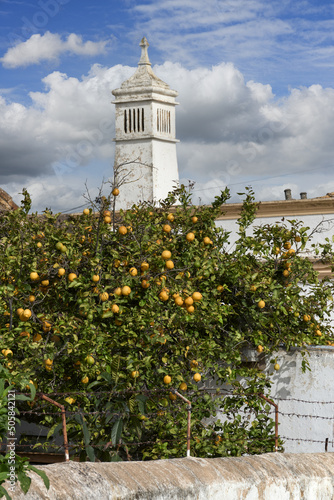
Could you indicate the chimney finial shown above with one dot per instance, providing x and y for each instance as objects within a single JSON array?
[{"x": 144, "y": 60}]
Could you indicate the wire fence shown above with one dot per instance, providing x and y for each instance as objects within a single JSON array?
[{"x": 45, "y": 409}]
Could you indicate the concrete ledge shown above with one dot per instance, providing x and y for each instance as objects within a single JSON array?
[{"x": 264, "y": 477}]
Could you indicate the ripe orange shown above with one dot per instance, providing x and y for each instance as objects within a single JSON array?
[
  {"x": 104, "y": 296},
  {"x": 197, "y": 377},
  {"x": 37, "y": 337},
  {"x": 193, "y": 363},
  {"x": 166, "y": 228},
  {"x": 286, "y": 273},
  {"x": 196, "y": 296},
  {"x": 115, "y": 308},
  {"x": 85, "y": 380},
  {"x": 126, "y": 290},
  {"x": 183, "y": 386},
  {"x": 166, "y": 254},
  {"x": 72, "y": 277},
  {"x": 172, "y": 397},
  {"x": 178, "y": 301},
  {"x": 25, "y": 334},
  {"x": 259, "y": 349},
  {"x": 253, "y": 288},
  {"x": 135, "y": 374},
  {"x": 170, "y": 217},
  {"x": 95, "y": 278},
  {"x": 190, "y": 237},
  {"x": 45, "y": 282},
  {"x": 46, "y": 326},
  {"x": 169, "y": 264},
  {"x": 287, "y": 245},
  {"x": 144, "y": 266},
  {"x": 61, "y": 271},
  {"x": 133, "y": 271},
  {"x": 190, "y": 309},
  {"x": 194, "y": 219},
  {"x": 106, "y": 213},
  {"x": 261, "y": 304},
  {"x": 167, "y": 379},
  {"x": 276, "y": 366},
  {"x": 318, "y": 332},
  {"x": 163, "y": 296},
  {"x": 32, "y": 298},
  {"x": 298, "y": 239},
  {"x": 306, "y": 317},
  {"x": 107, "y": 220},
  {"x": 207, "y": 240},
  {"x": 48, "y": 362},
  {"x": 118, "y": 291},
  {"x": 115, "y": 192},
  {"x": 26, "y": 315},
  {"x": 189, "y": 301},
  {"x": 19, "y": 311},
  {"x": 34, "y": 276},
  {"x": 39, "y": 244},
  {"x": 122, "y": 230},
  {"x": 220, "y": 288},
  {"x": 145, "y": 284},
  {"x": 86, "y": 211}
]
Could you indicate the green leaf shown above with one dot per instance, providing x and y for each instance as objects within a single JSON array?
[
  {"x": 90, "y": 453},
  {"x": 116, "y": 431},
  {"x": 41, "y": 474},
  {"x": 25, "y": 481}
]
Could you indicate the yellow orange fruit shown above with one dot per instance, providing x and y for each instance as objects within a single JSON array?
[
  {"x": 86, "y": 211},
  {"x": 118, "y": 291},
  {"x": 85, "y": 380},
  {"x": 196, "y": 296},
  {"x": 34, "y": 276},
  {"x": 276, "y": 366},
  {"x": 133, "y": 271},
  {"x": 189, "y": 301},
  {"x": 135, "y": 374},
  {"x": 287, "y": 245},
  {"x": 183, "y": 386},
  {"x": 163, "y": 296},
  {"x": 72, "y": 277},
  {"x": 104, "y": 296},
  {"x": 126, "y": 290},
  {"x": 145, "y": 284},
  {"x": 45, "y": 282},
  {"x": 95, "y": 278},
  {"x": 144, "y": 266},
  {"x": 26, "y": 315},
  {"x": 197, "y": 377},
  {"x": 194, "y": 219},
  {"x": 61, "y": 271},
  {"x": 172, "y": 397},
  {"x": 178, "y": 301},
  {"x": 306, "y": 317},
  {"x": 48, "y": 362},
  {"x": 169, "y": 264},
  {"x": 259, "y": 349},
  {"x": 115, "y": 308},
  {"x": 207, "y": 240},
  {"x": 170, "y": 217},
  {"x": 122, "y": 230},
  {"x": 190, "y": 237},
  {"x": 261, "y": 304},
  {"x": 190, "y": 309},
  {"x": 167, "y": 379},
  {"x": 25, "y": 334},
  {"x": 115, "y": 192},
  {"x": 166, "y": 254},
  {"x": 107, "y": 220},
  {"x": 37, "y": 337}
]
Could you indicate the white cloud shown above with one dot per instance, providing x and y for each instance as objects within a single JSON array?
[
  {"x": 49, "y": 47},
  {"x": 232, "y": 132}
]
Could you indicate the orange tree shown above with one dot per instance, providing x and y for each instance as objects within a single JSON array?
[{"x": 110, "y": 316}]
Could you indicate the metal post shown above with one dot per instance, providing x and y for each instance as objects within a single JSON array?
[
  {"x": 63, "y": 416},
  {"x": 276, "y": 418},
  {"x": 189, "y": 419}
]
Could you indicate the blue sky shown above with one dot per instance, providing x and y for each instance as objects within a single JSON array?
[{"x": 255, "y": 83}]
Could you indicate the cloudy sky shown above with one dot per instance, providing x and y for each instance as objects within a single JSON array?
[{"x": 255, "y": 82}]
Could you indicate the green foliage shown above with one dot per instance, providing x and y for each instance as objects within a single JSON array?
[
  {"x": 104, "y": 350},
  {"x": 7, "y": 461}
]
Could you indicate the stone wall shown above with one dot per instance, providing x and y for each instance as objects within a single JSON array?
[{"x": 266, "y": 477}]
